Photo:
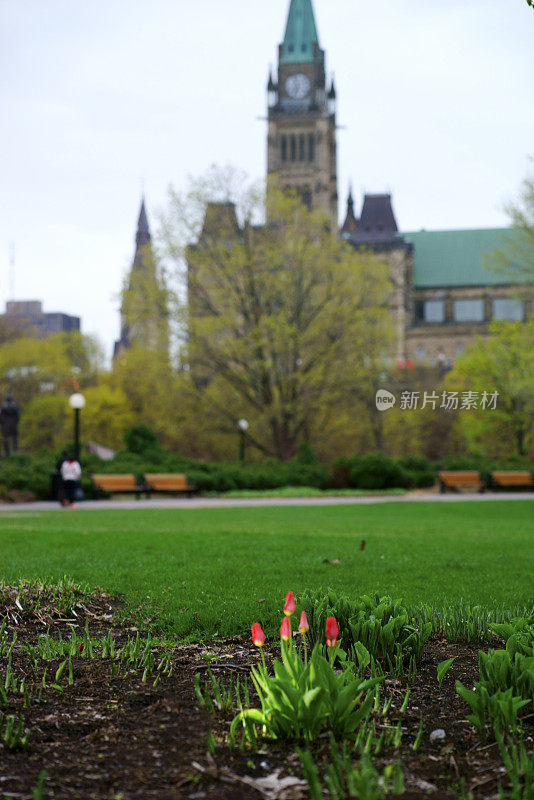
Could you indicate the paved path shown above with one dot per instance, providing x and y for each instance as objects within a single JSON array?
[{"x": 244, "y": 502}]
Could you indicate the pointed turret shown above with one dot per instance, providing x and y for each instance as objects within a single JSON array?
[
  {"x": 144, "y": 313},
  {"x": 332, "y": 91},
  {"x": 143, "y": 231},
  {"x": 142, "y": 238},
  {"x": 351, "y": 223},
  {"x": 300, "y": 39}
]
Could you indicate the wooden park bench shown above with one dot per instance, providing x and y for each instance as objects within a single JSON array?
[
  {"x": 116, "y": 484},
  {"x": 168, "y": 482},
  {"x": 460, "y": 479},
  {"x": 519, "y": 479}
]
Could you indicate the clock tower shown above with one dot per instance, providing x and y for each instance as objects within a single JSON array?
[{"x": 301, "y": 138}]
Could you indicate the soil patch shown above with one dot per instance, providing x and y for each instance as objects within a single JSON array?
[{"x": 137, "y": 735}]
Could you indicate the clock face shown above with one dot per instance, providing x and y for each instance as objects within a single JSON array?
[{"x": 297, "y": 86}]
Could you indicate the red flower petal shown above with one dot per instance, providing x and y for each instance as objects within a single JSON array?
[
  {"x": 332, "y": 632},
  {"x": 285, "y": 630},
  {"x": 303, "y": 624},
  {"x": 258, "y": 636},
  {"x": 290, "y": 606}
]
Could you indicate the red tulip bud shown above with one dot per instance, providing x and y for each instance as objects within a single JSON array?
[
  {"x": 332, "y": 632},
  {"x": 258, "y": 636},
  {"x": 80, "y": 647},
  {"x": 285, "y": 630},
  {"x": 289, "y": 605},
  {"x": 303, "y": 624}
]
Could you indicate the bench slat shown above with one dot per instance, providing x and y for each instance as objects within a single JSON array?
[
  {"x": 454, "y": 479},
  {"x": 512, "y": 478},
  {"x": 167, "y": 482}
]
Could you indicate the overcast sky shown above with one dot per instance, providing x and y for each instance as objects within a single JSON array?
[{"x": 101, "y": 98}]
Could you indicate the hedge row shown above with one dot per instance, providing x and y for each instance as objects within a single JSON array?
[{"x": 24, "y": 476}]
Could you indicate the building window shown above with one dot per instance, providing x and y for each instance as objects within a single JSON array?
[
  {"x": 507, "y": 308},
  {"x": 311, "y": 147},
  {"x": 469, "y": 310},
  {"x": 307, "y": 198},
  {"x": 419, "y": 311},
  {"x": 434, "y": 311},
  {"x": 293, "y": 147},
  {"x": 284, "y": 148},
  {"x": 302, "y": 147}
]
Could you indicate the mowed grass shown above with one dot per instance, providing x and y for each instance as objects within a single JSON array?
[{"x": 215, "y": 571}]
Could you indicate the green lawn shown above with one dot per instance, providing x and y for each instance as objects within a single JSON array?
[{"x": 208, "y": 570}]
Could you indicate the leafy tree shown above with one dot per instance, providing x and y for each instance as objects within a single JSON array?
[
  {"x": 146, "y": 378},
  {"x": 283, "y": 319},
  {"x": 46, "y": 423},
  {"x": 502, "y": 362},
  {"x": 515, "y": 257},
  {"x": 106, "y": 417}
]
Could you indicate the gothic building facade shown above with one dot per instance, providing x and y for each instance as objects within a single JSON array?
[{"x": 442, "y": 294}]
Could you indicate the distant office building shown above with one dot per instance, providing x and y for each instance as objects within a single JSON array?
[{"x": 27, "y": 318}]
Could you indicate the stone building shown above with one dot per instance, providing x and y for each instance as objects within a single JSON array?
[
  {"x": 301, "y": 136},
  {"x": 27, "y": 318},
  {"x": 144, "y": 308},
  {"x": 442, "y": 293}
]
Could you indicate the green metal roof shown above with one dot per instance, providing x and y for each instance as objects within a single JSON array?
[
  {"x": 455, "y": 258},
  {"x": 300, "y": 35}
]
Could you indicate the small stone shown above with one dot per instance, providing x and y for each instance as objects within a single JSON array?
[
  {"x": 425, "y": 786},
  {"x": 437, "y": 735}
]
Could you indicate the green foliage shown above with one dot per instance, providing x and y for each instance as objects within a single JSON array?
[
  {"x": 305, "y": 697},
  {"x": 506, "y": 678},
  {"x": 306, "y": 455},
  {"x": 346, "y": 779},
  {"x": 500, "y": 708},
  {"x": 443, "y": 668},
  {"x": 23, "y": 473},
  {"x": 139, "y": 439},
  {"x": 376, "y": 471},
  {"x": 519, "y": 765},
  {"x": 11, "y": 732},
  {"x": 501, "y": 362},
  {"x": 382, "y": 625}
]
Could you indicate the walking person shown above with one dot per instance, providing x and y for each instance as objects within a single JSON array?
[{"x": 71, "y": 472}]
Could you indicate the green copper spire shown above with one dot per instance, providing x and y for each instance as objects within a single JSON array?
[{"x": 301, "y": 34}]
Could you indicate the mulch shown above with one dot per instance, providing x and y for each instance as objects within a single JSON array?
[{"x": 121, "y": 738}]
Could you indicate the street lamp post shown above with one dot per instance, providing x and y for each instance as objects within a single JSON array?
[
  {"x": 77, "y": 402},
  {"x": 242, "y": 425}
]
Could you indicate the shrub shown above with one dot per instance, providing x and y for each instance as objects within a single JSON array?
[
  {"x": 377, "y": 471},
  {"x": 139, "y": 439}
]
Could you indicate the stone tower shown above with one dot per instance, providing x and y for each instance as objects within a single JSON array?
[
  {"x": 301, "y": 139},
  {"x": 144, "y": 312}
]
